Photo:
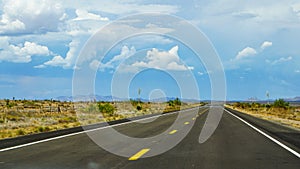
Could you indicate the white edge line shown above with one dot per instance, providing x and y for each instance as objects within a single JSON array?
[
  {"x": 266, "y": 135},
  {"x": 86, "y": 131}
]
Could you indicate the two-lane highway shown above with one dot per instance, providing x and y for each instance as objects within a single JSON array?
[{"x": 233, "y": 145}]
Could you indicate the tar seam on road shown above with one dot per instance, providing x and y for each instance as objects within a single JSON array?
[
  {"x": 86, "y": 131},
  {"x": 266, "y": 135},
  {"x": 139, "y": 154}
]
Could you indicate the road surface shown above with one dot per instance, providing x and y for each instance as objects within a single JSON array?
[{"x": 233, "y": 145}]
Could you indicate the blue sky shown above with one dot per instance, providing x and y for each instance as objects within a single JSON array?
[{"x": 257, "y": 42}]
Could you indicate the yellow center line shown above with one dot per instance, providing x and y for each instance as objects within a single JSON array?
[
  {"x": 187, "y": 122},
  {"x": 194, "y": 118},
  {"x": 173, "y": 131},
  {"x": 202, "y": 111},
  {"x": 139, "y": 154}
]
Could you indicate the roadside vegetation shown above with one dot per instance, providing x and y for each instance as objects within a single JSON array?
[
  {"x": 279, "y": 111},
  {"x": 23, "y": 117}
]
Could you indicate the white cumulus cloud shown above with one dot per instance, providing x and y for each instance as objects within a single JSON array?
[
  {"x": 266, "y": 44},
  {"x": 32, "y": 48},
  {"x": 21, "y": 53},
  {"x": 34, "y": 16},
  {"x": 56, "y": 61},
  {"x": 85, "y": 15},
  {"x": 68, "y": 61},
  {"x": 165, "y": 60},
  {"x": 95, "y": 64},
  {"x": 248, "y": 51},
  {"x": 280, "y": 60},
  {"x": 125, "y": 53}
]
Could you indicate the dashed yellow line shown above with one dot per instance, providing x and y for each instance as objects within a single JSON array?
[
  {"x": 173, "y": 131},
  {"x": 187, "y": 123},
  {"x": 139, "y": 154},
  {"x": 194, "y": 118}
]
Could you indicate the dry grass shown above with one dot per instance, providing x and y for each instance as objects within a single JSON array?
[
  {"x": 289, "y": 116},
  {"x": 22, "y": 117}
]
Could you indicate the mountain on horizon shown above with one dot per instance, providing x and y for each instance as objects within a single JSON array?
[
  {"x": 162, "y": 99},
  {"x": 295, "y": 99},
  {"x": 88, "y": 97},
  {"x": 112, "y": 98}
]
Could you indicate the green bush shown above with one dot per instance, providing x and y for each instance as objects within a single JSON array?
[
  {"x": 43, "y": 129},
  {"x": 243, "y": 105},
  {"x": 106, "y": 109},
  {"x": 281, "y": 103},
  {"x": 139, "y": 107},
  {"x": 20, "y": 132},
  {"x": 175, "y": 102},
  {"x": 255, "y": 105},
  {"x": 268, "y": 106},
  {"x": 47, "y": 128}
]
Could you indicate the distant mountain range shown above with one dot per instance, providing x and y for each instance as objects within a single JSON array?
[
  {"x": 295, "y": 99},
  {"x": 163, "y": 99},
  {"x": 89, "y": 97},
  {"x": 112, "y": 98},
  {"x": 254, "y": 99}
]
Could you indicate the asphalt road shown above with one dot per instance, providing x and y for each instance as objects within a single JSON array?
[{"x": 233, "y": 145}]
